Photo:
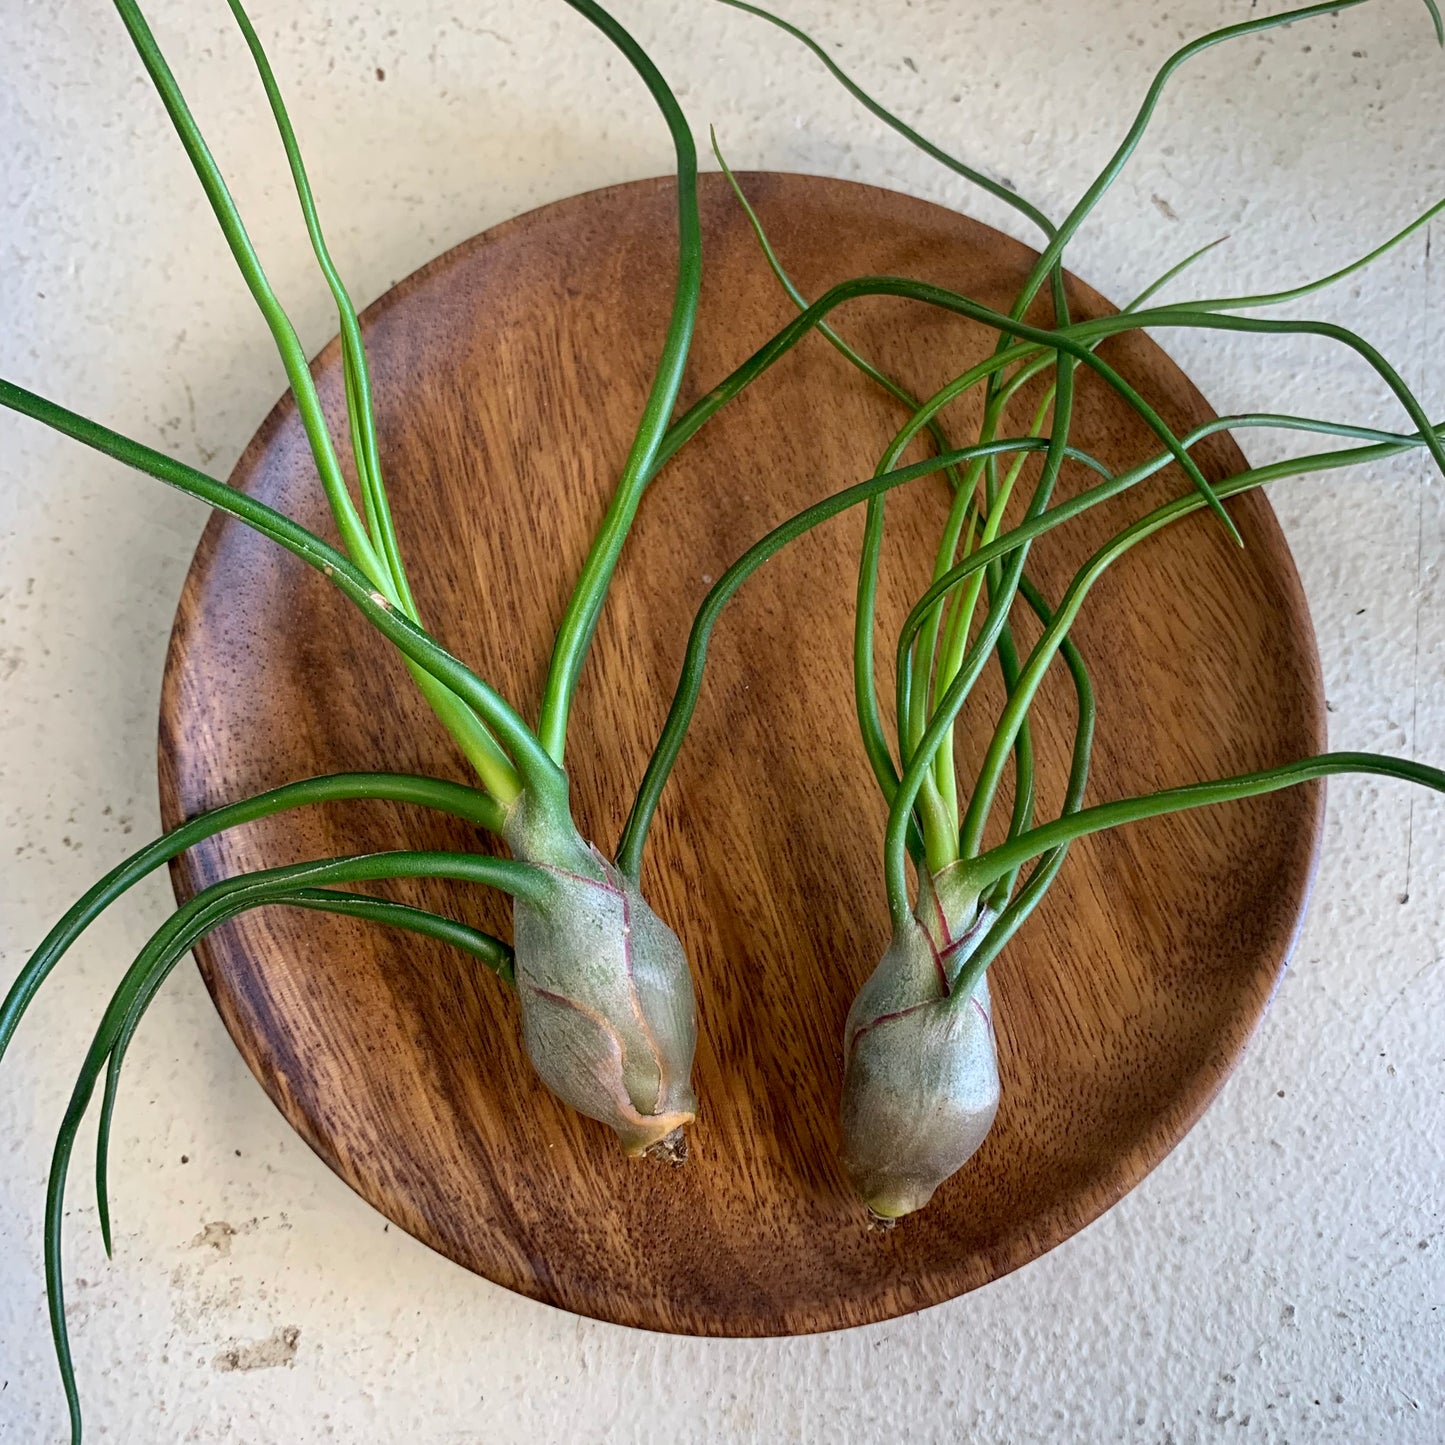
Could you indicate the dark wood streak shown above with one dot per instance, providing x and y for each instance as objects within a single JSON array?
[{"x": 509, "y": 375}]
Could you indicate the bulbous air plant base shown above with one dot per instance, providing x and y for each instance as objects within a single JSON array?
[
  {"x": 920, "y": 1081},
  {"x": 608, "y": 1016}
]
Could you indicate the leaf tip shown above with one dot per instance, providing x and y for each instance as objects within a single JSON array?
[{"x": 103, "y": 1208}]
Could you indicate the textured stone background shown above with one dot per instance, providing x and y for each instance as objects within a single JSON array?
[{"x": 1280, "y": 1278}]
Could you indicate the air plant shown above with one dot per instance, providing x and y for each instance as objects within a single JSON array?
[
  {"x": 921, "y": 1086},
  {"x": 605, "y": 994}
]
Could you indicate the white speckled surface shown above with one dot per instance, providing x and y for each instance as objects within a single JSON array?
[{"x": 1280, "y": 1279}]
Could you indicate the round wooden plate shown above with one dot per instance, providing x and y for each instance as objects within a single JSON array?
[{"x": 509, "y": 374}]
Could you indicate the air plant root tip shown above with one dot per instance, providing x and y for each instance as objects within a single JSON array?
[{"x": 670, "y": 1149}]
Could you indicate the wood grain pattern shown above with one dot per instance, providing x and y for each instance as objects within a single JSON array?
[{"x": 509, "y": 374}]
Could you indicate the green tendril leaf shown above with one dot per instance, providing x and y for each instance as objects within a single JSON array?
[
  {"x": 492, "y": 952},
  {"x": 434, "y": 793},
  {"x": 159, "y": 957},
  {"x": 531, "y": 762},
  {"x": 579, "y": 621}
]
